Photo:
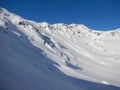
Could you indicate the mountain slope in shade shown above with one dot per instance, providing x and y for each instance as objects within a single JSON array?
[{"x": 40, "y": 56}]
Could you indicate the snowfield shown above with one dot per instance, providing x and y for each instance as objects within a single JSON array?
[{"x": 42, "y": 56}]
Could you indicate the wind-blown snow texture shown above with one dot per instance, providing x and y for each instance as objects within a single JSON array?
[{"x": 40, "y": 56}]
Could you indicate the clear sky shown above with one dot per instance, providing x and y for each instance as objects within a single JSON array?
[{"x": 96, "y": 14}]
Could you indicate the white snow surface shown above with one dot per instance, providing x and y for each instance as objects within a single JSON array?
[{"x": 42, "y": 56}]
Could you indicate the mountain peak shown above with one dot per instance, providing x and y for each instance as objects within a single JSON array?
[
  {"x": 44, "y": 24},
  {"x": 2, "y": 10}
]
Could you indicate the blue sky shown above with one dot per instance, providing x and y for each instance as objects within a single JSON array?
[{"x": 96, "y": 14}]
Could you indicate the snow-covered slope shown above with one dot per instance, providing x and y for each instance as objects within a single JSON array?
[{"x": 40, "y": 56}]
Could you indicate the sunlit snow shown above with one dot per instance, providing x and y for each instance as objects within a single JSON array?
[{"x": 41, "y": 56}]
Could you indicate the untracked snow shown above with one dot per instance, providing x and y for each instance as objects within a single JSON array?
[{"x": 42, "y": 56}]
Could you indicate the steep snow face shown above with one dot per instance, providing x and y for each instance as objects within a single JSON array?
[{"x": 40, "y": 56}]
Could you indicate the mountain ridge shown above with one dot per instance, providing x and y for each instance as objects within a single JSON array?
[{"x": 62, "y": 24}]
